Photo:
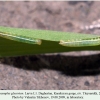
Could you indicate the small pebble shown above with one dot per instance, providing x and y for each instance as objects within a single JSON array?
[{"x": 87, "y": 83}]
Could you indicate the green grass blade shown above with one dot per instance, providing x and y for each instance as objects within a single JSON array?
[{"x": 50, "y": 42}]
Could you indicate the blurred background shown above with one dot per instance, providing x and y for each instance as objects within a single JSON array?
[{"x": 73, "y": 70}]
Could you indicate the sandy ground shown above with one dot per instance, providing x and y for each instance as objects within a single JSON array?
[{"x": 76, "y": 70}]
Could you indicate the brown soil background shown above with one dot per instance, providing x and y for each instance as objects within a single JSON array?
[{"x": 76, "y": 70}]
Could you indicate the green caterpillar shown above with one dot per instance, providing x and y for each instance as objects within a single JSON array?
[
  {"x": 81, "y": 42},
  {"x": 20, "y": 38}
]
